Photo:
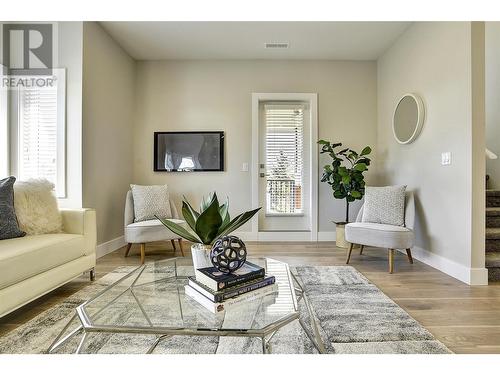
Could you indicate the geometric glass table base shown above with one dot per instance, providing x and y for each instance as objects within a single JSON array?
[{"x": 150, "y": 300}]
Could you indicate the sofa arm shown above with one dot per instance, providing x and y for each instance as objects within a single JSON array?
[{"x": 81, "y": 221}]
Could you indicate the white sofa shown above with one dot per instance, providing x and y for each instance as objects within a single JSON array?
[{"x": 31, "y": 266}]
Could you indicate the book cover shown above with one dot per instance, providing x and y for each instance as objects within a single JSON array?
[
  {"x": 217, "y": 307},
  {"x": 230, "y": 292},
  {"x": 216, "y": 280}
]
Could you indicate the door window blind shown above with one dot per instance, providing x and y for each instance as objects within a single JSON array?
[{"x": 284, "y": 158}]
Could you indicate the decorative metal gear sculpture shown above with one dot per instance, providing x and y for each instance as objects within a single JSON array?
[{"x": 228, "y": 254}]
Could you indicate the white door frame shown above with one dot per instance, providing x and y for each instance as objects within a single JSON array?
[{"x": 312, "y": 99}]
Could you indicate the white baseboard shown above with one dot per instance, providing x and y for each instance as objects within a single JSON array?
[
  {"x": 471, "y": 276},
  {"x": 110, "y": 246}
]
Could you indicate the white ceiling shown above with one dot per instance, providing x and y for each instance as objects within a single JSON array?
[{"x": 245, "y": 40}]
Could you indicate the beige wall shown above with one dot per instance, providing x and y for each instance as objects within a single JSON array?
[
  {"x": 433, "y": 59},
  {"x": 108, "y": 110},
  {"x": 493, "y": 101},
  {"x": 216, "y": 95}
]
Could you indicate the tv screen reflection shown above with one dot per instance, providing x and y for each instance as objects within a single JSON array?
[{"x": 189, "y": 151}]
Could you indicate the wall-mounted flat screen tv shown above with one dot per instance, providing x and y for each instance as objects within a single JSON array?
[{"x": 189, "y": 151}]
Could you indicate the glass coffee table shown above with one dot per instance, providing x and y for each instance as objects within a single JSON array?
[{"x": 150, "y": 300}]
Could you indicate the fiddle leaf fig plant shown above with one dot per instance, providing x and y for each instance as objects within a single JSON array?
[
  {"x": 211, "y": 222},
  {"x": 345, "y": 172}
]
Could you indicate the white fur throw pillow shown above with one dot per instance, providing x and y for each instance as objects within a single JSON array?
[
  {"x": 36, "y": 207},
  {"x": 150, "y": 201}
]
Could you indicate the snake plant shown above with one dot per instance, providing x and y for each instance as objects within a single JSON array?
[{"x": 210, "y": 223}]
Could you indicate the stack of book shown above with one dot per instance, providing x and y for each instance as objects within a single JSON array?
[{"x": 217, "y": 291}]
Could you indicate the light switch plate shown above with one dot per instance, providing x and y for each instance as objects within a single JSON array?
[
  {"x": 446, "y": 158},
  {"x": 244, "y": 167}
]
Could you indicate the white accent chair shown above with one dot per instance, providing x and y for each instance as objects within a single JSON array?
[
  {"x": 383, "y": 235},
  {"x": 146, "y": 231}
]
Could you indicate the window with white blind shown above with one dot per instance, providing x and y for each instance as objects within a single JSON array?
[
  {"x": 40, "y": 133},
  {"x": 284, "y": 158}
]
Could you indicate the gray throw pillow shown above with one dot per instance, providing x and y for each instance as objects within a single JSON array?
[
  {"x": 9, "y": 227},
  {"x": 384, "y": 205},
  {"x": 150, "y": 201}
]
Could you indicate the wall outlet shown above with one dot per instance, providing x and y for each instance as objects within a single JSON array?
[
  {"x": 446, "y": 158},
  {"x": 244, "y": 167}
]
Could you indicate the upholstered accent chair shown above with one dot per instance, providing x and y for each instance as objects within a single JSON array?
[
  {"x": 142, "y": 232},
  {"x": 387, "y": 236}
]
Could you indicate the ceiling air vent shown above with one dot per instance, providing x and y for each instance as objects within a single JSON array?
[{"x": 276, "y": 45}]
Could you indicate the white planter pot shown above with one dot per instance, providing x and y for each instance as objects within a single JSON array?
[
  {"x": 201, "y": 255},
  {"x": 340, "y": 236}
]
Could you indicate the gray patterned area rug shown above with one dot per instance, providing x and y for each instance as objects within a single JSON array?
[{"x": 354, "y": 316}]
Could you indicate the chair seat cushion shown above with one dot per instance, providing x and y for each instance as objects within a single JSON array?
[
  {"x": 379, "y": 235},
  {"x": 24, "y": 257},
  {"x": 149, "y": 231}
]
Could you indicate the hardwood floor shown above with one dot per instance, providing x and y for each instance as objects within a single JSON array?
[{"x": 464, "y": 318}]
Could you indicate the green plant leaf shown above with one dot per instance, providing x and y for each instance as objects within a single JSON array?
[
  {"x": 339, "y": 194},
  {"x": 205, "y": 202},
  {"x": 356, "y": 194},
  {"x": 195, "y": 213},
  {"x": 237, "y": 222},
  {"x": 360, "y": 167},
  {"x": 346, "y": 180},
  {"x": 343, "y": 171},
  {"x": 367, "y": 150},
  {"x": 179, "y": 230},
  {"x": 363, "y": 160},
  {"x": 224, "y": 213},
  {"x": 209, "y": 222},
  {"x": 188, "y": 215}
]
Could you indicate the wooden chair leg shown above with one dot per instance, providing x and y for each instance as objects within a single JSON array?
[
  {"x": 143, "y": 252},
  {"x": 391, "y": 260},
  {"x": 180, "y": 245},
  {"x": 173, "y": 245},
  {"x": 408, "y": 254},
  {"x": 361, "y": 249},
  {"x": 128, "y": 249},
  {"x": 349, "y": 253}
]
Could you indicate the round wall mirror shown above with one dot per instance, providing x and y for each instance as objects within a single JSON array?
[{"x": 408, "y": 118}]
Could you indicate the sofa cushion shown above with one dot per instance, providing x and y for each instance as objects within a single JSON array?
[
  {"x": 384, "y": 205},
  {"x": 379, "y": 235},
  {"x": 9, "y": 227},
  {"x": 149, "y": 231},
  {"x": 36, "y": 207},
  {"x": 28, "y": 256},
  {"x": 151, "y": 201}
]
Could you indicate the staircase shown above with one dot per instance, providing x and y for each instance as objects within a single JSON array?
[{"x": 493, "y": 234}]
